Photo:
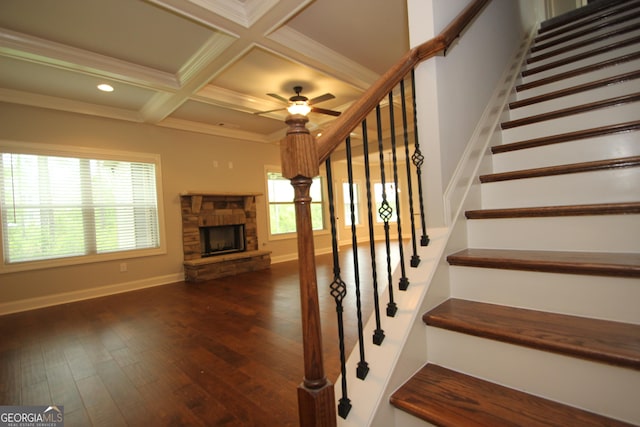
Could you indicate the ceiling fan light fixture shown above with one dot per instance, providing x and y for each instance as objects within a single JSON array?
[{"x": 299, "y": 107}]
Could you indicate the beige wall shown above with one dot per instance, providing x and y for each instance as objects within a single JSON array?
[{"x": 187, "y": 165}]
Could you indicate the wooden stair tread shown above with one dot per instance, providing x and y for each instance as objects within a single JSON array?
[
  {"x": 588, "y": 263},
  {"x": 579, "y": 71},
  {"x": 576, "y": 89},
  {"x": 447, "y": 398},
  {"x": 583, "y": 16},
  {"x": 580, "y": 56},
  {"x": 615, "y": 343},
  {"x": 623, "y": 162},
  {"x": 541, "y": 44},
  {"x": 564, "y": 112},
  {"x": 583, "y": 43},
  {"x": 566, "y": 137},
  {"x": 555, "y": 211}
]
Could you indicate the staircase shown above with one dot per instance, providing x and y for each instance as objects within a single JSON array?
[{"x": 542, "y": 327}]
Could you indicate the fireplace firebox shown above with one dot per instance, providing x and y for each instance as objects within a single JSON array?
[{"x": 222, "y": 239}]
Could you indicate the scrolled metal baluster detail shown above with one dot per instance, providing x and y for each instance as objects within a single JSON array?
[
  {"x": 415, "y": 258},
  {"x": 338, "y": 292},
  {"x": 418, "y": 159},
  {"x": 386, "y": 213}
]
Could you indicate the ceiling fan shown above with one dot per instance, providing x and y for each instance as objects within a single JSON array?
[{"x": 300, "y": 104}]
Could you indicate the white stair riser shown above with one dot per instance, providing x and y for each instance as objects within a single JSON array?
[
  {"x": 602, "y": 73},
  {"x": 608, "y": 298},
  {"x": 593, "y": 31},
  {"x": 586, "y": 97},
  {"x": 607, "y": 186},
  {"x": 600, "y": 233},
  {"x": 604, "y": 147},
  {"x": 613, "y": 53},
  {"x": 580, "y": 50},
  {"x": 596, "y": 387},
  {"x": 600, "y": 117},
  {"x": 403, "y": 419}
]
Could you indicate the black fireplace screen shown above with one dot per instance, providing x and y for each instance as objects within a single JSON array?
[{"x": 220, "y": 240}]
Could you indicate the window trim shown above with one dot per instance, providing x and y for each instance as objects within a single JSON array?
[
  {"x": 87, "y": 153},
  {"x": 293, "y": 234}
]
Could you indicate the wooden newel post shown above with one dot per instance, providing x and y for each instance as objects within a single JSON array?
[{"x": 316, "y": 400}]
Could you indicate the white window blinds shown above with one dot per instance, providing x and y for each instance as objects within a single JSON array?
[{"x": 57, "y": 207}]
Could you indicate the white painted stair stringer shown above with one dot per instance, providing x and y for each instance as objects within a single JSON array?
[
  {"x": 596, "y": 387},
  {"x": 607, "y": 298}
]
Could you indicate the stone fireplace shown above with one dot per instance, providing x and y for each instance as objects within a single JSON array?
[{"x": 220, "y": 237}]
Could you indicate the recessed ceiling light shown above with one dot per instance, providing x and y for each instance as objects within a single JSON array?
[{"x": 105, "y": 87}]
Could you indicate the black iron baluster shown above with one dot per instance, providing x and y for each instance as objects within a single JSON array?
[
  {"x": 338, "y": 292},
  {"x": 363, "y": 367},
  {"x": 378, "y": 334},
  {"x": 418, "y": 160},
  {"x": 404, "y": 281},
  {"x": 386, "y": 212},
  {"x": 415, "y": 258}
]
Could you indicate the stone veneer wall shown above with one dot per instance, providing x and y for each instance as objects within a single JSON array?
[{"x": 203, "y": 210}]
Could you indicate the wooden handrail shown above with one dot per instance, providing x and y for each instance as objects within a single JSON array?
[
  {"x": 358, "y": 111},
  {"x": 301, "y": 155}
]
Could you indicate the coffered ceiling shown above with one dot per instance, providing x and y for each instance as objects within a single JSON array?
[{"x": 200, "y": 65}]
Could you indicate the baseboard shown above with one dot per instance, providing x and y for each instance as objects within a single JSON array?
[
  {"x": 67, "y": 297},
  {"x": 485, "y": 132}
]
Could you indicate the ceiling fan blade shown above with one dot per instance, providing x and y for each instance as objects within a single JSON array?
[
  {"x": 321, "y": 98},
  {"x": 269, "y": 111},
  {"x": 325, "y": 111},
  {"x": 279, "y": 98}
]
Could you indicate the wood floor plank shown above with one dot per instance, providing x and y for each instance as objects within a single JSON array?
[{"x": 227, "y": 352}]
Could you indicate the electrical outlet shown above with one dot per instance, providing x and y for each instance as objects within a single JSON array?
[{"x": 123, "y": 267}]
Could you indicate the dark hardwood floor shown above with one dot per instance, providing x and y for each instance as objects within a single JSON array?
[{"x": 222, "y": 353}]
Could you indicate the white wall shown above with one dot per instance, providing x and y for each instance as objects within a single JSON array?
[
  {"x": 453, "y": 91},
  {"x": 187, "y": 165}
]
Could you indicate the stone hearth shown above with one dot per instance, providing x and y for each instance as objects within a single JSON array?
[{"x": 206, "y": 210}]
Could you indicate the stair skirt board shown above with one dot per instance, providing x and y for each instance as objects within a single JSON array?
[
  {"x": 610, "y": 298},
  {"x": 596, "y": 387}
]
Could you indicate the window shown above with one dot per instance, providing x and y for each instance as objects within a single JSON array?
[
  {"x": 60, "y": 207},
  {"x": 282, "y": 216},
  {"x": 390, "y": 193},
  {"x": 347, "y": 203}
]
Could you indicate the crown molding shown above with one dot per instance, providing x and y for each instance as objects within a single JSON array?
[
  {"x": 34, "y": 49},
  {"x": 68, "y": 105}
]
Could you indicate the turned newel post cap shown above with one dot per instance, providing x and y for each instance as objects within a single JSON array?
[{"x": 298, "y": 151}]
